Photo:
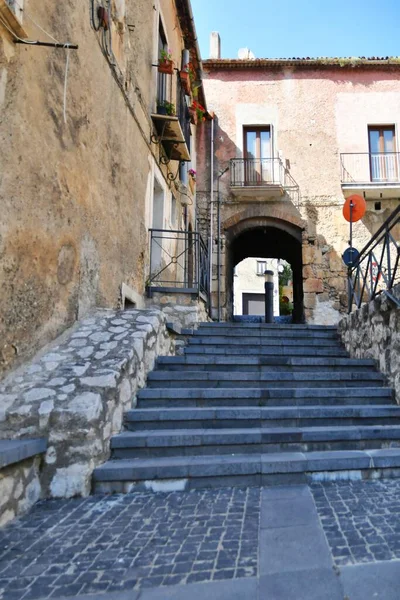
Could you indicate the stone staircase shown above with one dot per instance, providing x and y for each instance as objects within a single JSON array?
[{"x": 256, "y": 404}]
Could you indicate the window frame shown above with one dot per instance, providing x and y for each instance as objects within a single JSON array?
[
  {"x": 258, "y": 271},
  {"x": 385, "y": 168}
]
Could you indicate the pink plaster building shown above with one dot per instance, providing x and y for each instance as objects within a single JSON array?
[{"x": 290, "y": 140}]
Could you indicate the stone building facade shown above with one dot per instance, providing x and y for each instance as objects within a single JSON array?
[
  {"x": 83, "y": 180},
  {"x": 290, "y": 140}
]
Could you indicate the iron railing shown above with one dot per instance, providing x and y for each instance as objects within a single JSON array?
[
  {"x": 178, "y": 262},
  {"x": 257, "y": 172},
  {"x": 382, "y": 167},
  {"x": 376, "y": 269},
  {"x": 165, "y": 84}
]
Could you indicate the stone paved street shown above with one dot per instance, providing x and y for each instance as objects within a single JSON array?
[
  {"x": 220, "y": 544},
  {"x": 360, "y": 519},
  {"x": 114, "y": 543}
]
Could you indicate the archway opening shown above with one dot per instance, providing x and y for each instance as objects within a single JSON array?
[{"x": 275, "y": 248}]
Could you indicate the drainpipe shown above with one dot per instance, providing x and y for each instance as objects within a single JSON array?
[
  {"x": 219, "y": 242},
  {"x": 211, "y": 210}
]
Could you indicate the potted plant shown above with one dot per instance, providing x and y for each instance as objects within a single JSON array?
[
  {"x": 199, "y": 110},
  {"x": 187, "y": 76},
  {"x": 165, "y": 62},
  {"x": 166, "y": 108},
  {"x": 192, "y": 180}
]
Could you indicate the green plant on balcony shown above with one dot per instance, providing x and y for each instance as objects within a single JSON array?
[
  {"x": 165, "y": 62},
  {"x": 166, "y": 108},
  {"x": 197, "y": 112}
]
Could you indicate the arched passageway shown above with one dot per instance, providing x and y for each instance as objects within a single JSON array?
[{"x": 272, "y": 239}]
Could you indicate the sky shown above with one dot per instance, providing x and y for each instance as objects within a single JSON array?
[{"x": 291, "y": 28}]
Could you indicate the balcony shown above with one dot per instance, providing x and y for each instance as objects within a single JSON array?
[
  {"x": 260, "y": 178},
  {"x": 375, "y": 175},
  {"x": 172, "y": 132}
]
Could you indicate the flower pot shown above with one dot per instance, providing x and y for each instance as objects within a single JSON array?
[
  {"x": 166, "y": 66},
  {"x": 192, "y": 184},
  {"x": 185, "y": 81},
  {"x": 161, "y": 110}
]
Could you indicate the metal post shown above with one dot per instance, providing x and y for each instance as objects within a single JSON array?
[
  {"x": 218, "y": 253},
  {"x": 219, "y": 242},
  {"x": 269, "y": 296}
]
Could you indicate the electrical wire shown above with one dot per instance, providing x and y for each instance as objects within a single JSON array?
[
  {"x": 25, "y": 12},
  {"x": 15, "y": 35},
  {"x": 30, "y": 42}
]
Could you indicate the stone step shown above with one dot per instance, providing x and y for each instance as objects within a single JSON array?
[
  {"x": 190, "y": 442},
  {"x": 284, "y": 396},
  {"x": 248, "y": 417},
  {"x": 266, "y": 379},
  {"x": 15, "y": 451},
  {"x": 229, "y": 341},
  {"x": 191, "y": 472},
  {"x": 271, "y": 326},
  {"x": 257, "y": 350},
  {"x": 255, "y": 363},
  {"x": 297, "y": 334}
]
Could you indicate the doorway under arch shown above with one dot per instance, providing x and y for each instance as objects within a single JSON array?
[{"x": 266, "y": 238}]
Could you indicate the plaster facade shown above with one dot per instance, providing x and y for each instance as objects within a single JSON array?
[
  {"x": 249, "y": 279},
  {"x": 77, "y": 182},
  {"x": 316, "y": 111}
]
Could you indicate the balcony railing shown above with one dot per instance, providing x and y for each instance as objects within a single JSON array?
[
  {"x": 370, "y": 168},
  {"x": 173, "y": 131},
  {"x": 262, "y": 177},
  {"x": 257, "y": 172},
  {"x": 376, "y": 270},
  {"x": 178, "y": 262}
]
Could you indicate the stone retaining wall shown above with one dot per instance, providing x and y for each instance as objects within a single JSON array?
[
  {"x": 373, "y": 331},
  {"x": 185, "y": 310},
  {"x": 20, "y": 488},
  {"x": 76, "y": 394}
]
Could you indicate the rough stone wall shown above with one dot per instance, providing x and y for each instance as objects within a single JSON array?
[
  {"x": 76, "y": 195},
  {"x": 20, "y": 488},
  {"x": 316, "y": 116},
  {"x": 75, "y": 394},
  {"x": 181, "y": 309},
  {"x": 373, "y": 331}
]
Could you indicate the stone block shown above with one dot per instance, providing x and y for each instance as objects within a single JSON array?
[
  {"x": 313, "y": 286},
  {"x": 308, "y": 271},
  {"x": 309, "y": 300},
  {"x": 335, "y": 262}
]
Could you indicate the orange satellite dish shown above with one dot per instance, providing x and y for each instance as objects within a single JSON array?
[{"x": 357, "y": 211}]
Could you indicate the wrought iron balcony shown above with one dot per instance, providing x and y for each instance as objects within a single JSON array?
[
  {"x": 260, "y": 178},
  {"x": 178, "y": 263},
  {"x": 376, "y": 174},
  {"x": 172, "y": 131}
]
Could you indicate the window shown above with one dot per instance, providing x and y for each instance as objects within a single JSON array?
[
  {"x": 261, "y": 267},
  {"x": 258, "y": 155},
  {"x": 162, "y": 81},
  {"x": 16, "y": 7},
  {"x": 383, "y": 157}
]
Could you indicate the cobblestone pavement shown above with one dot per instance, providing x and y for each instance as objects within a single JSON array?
[
  {"x": 360, "y": 519},
  {"x": 124, "y": 542}
]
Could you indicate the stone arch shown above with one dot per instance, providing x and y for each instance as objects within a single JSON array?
[
  {"x": 252, "y": 234},
  {"x": 275, "y": 213}
]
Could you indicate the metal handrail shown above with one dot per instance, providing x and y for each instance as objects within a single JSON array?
[
  {"x": 376, "y": 269},
  {"x": 179, "y": 261}
]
